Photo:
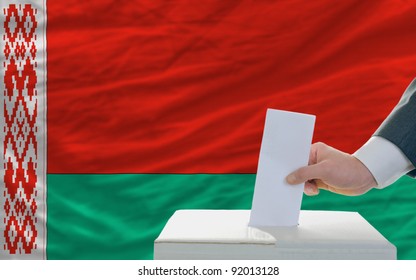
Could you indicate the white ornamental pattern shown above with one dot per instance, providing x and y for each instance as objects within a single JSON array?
[{"x": 23, "y": 184}]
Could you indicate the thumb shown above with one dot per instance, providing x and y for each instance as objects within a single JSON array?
[{"x": 305, "y": 173}]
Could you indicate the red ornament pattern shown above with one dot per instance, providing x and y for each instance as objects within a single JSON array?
[{"x": 20, "y": 145}]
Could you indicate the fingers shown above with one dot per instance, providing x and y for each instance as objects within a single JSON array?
[
  {"x": 311, "y": 188},
  {"x": 303, "y": 174},
  {"x": 331, "y": 170}
]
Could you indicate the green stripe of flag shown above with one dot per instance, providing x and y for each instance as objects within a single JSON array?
[{"x": 119, "y": 216}]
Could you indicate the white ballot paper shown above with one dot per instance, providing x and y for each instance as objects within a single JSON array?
[{"x": 287, "y": 138}]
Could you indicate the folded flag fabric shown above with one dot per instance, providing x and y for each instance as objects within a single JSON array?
[{"x": 117, "y": 113}]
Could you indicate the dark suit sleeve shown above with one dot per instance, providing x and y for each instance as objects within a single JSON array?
[{"x": 400, "y": 126}]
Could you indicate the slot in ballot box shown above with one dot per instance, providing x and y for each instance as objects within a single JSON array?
[{"x": 225, "y": 234}]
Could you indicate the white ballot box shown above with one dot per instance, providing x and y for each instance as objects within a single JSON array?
[{"x": 225, "y": 234}]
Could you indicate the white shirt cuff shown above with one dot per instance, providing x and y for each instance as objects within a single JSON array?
[{"x": 385, "y": 161}]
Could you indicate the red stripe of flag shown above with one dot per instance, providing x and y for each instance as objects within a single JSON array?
[{"x": 183, "y": 86}]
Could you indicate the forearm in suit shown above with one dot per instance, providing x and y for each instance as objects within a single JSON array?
[{"x": 400, "y": 126}]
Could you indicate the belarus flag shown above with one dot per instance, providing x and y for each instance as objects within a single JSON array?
[{"x": 114, "y": 114}]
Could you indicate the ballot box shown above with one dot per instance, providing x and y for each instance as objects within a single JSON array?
[{"x": 225, "y": 234}]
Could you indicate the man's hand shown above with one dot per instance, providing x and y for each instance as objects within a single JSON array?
[{"x": 333, "y": 170}]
